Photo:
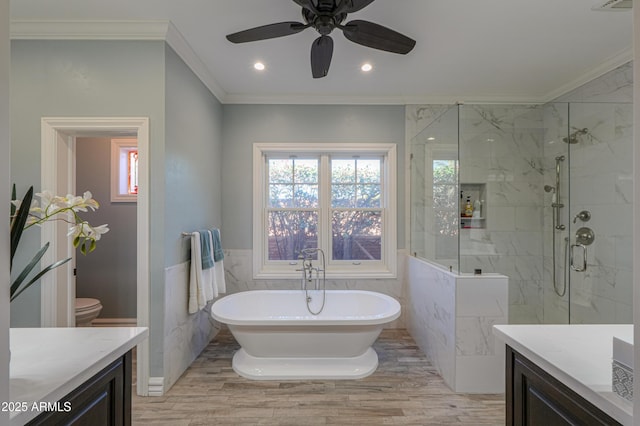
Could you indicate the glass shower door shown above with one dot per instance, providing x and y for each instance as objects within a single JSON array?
[
  {"x": 600, "y": 209},
  {"x": 434, "y": 190}
]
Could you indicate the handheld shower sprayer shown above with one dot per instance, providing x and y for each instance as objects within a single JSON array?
[
  {"x": 552, "y": 190},
  {"x": 308, "y": 270}
]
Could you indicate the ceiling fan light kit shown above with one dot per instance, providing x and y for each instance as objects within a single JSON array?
[{"x": 325, "y": 16}]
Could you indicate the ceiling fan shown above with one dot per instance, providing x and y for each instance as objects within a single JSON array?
[{"x": 324, "y": 16}]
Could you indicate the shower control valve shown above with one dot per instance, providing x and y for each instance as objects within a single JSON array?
[
  {"x": 584, "y": 216},
  {"x": 585, "y": 236}
]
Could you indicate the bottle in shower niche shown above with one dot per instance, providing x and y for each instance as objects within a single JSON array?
[
  {"x": 468, "y": 208},
  {"x": 477, "y": 209}
]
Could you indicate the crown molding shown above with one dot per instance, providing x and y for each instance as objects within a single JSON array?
[
  {"x": 303, "y": 99},
  {"x": 88, "y": 30},
  {"x": 179, "y": 44},
  {"x": 160, "y": 30},
  {"x": 612, "y": 63}
]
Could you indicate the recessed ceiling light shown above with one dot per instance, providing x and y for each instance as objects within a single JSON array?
[
  {"x": 259, "y": 66},
  {"x": 366, "y": 67},
  {"x": 431, "y": 138}
]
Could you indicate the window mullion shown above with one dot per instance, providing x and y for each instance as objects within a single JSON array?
[{"x": 325, "y": 205}]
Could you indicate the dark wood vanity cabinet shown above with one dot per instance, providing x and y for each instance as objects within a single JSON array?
[
  {"x": 104, "y": 399},
  {"x": 533, "y": 397}
]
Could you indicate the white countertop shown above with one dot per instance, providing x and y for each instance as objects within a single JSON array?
[
  {"x": 579, "y": 356},
  {"x": 48, "y": 363}
]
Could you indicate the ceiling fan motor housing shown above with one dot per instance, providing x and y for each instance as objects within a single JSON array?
[{"x": 324, "y": 22}]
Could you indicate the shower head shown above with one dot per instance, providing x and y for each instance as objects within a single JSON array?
[
  {"x": 549, "y": 188},
  {"x": 573, "y": 137}
]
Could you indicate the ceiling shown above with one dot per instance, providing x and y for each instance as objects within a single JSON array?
[{"x": 467, "y": 50}]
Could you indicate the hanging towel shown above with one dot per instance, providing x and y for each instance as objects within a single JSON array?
[
  {"x": 200, "y": 281},
  {"x": 218, "y": 254},
  {"x": 206, "y": 249},
  {"x": 219, "y": 283}
]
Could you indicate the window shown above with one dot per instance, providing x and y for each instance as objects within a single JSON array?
[
  {"x": 124, "y": 170},
  {"x": 338, "y": 197}
]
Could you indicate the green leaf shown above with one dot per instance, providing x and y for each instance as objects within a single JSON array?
[
  {"x": 38, "y": 276},
  {"x": 93, "y": 246},
  {"x": 27, "y": 269},
  {"x": 18, "y": 222}
]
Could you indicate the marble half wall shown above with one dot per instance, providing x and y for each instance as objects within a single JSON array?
[
  {"x": 451, "y": 316},
  {"x": 185, "y": 335},
  {"x": 239, "y": 277}
]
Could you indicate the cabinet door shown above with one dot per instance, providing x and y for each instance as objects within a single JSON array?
[
  {"x": 536, "y": 398},
  {"x": 105, "y": 399}
]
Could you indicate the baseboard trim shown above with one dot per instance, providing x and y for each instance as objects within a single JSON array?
[
  {"x": 156, "y": 386},
  {"x": 114, "y": 322}
]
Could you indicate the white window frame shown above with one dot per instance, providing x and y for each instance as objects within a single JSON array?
[
  {"x": 386, "y": 268},
  {"x": 119, "y": 170}
]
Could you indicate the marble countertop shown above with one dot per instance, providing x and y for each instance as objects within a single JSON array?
[
  {"x": 578, "y": 356},
  {"x": 48, "y": 363}
]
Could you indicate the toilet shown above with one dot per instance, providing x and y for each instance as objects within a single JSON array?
[{"x": 86, "y": 311}]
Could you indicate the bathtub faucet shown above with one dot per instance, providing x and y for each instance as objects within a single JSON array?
[{"x": 306, "y": 255}]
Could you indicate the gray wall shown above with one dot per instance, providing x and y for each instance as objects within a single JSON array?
[
  {"x": 193, "y": 173},
  {"x": 84, "y": 78},
  {"x": 247, "y": 124},
  {"x": 109, "y": 272},
  {"x": 4, "y": 216},
  {"x": 193, "y": 158},
  {"x": 123, "y": 78}
]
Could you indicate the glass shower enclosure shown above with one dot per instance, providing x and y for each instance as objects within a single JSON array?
[{"x": 540, "y": 193}]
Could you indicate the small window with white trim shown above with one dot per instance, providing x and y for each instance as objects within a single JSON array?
[
  {"x": 340, "y": 198},
  {"x": 124, "y": 170}
]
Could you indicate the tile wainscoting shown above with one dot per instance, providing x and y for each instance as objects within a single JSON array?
[{"x": 185, "y": 335}]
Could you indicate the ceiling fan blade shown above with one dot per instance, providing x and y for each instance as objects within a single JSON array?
[
  {"x": 264, "y": 32},
  {"x": 307, "y": 4},
  {"x": 378, "y": 37},
  {"x": 321, "y": 53},
  {"x": 350, "y": 6}
]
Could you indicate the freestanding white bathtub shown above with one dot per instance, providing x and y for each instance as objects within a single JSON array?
[{"x": 281, "y": 340}]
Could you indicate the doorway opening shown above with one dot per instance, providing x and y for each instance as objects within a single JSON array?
[{"x": 58, "y": 148}]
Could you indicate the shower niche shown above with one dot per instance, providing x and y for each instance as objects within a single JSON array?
[{"x": 473, "y": 206}]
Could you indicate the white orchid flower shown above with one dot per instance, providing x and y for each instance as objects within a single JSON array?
[
  {"x": 88, "y": 200},
  {"x": 46, "y": 197},
  {"x": 54, "y": 207},
  {"x": 96, "y": 232},
  {"x": 80, "y": 204}
]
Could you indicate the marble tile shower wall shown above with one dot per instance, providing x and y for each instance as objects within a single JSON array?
[
  {"x": 601, "y": 182},
  {"x": 556, "y": 307},
  {"x": 501, "y": 147},
  {"x": 512, "y": 150}
]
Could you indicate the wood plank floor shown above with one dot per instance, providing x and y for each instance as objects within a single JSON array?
[{"x": 405, "y": 390}]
